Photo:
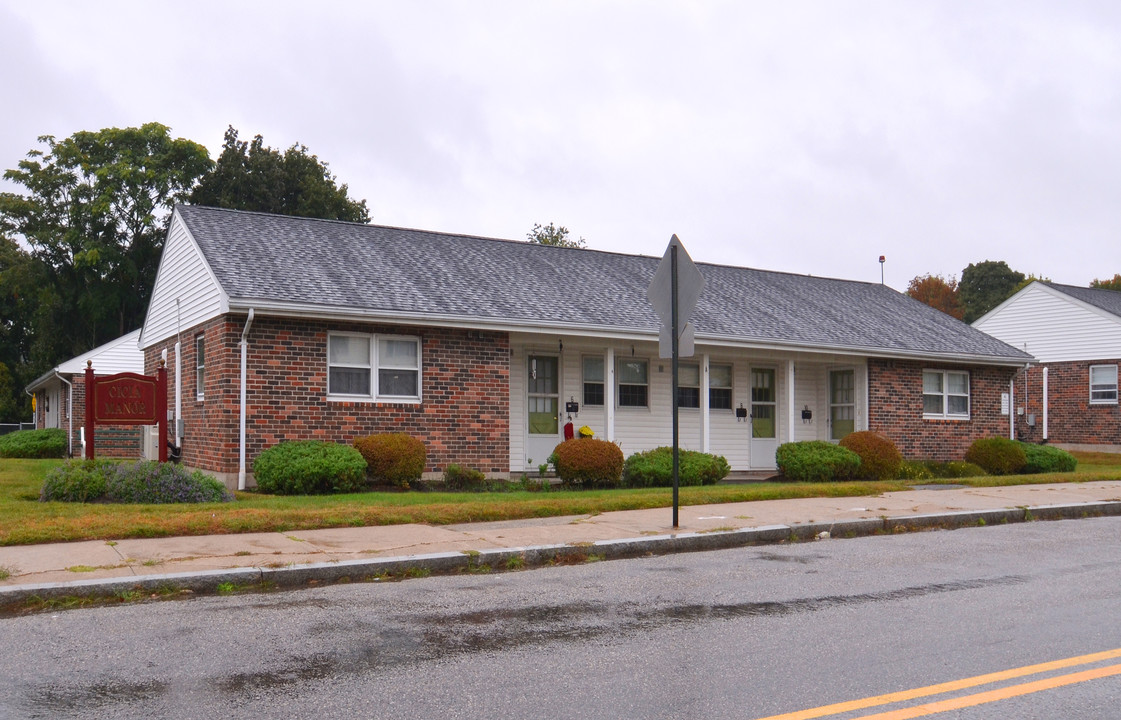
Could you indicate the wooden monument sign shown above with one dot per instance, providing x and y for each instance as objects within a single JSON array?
[{"x": 126, "y": 399}]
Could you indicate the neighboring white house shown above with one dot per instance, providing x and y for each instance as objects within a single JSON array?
[
  {"x": 60, "y": 395},
  {"x": 1071, "y": 397}
]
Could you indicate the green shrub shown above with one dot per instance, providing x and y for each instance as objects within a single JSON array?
[
  {"x": 393, "y": 458},
  {"x": 589, "y": 461},
  {"x": 309, "y": 467},
  {"x": 144, "y": 482},
  {"x": 914, "y": 470},
  {"x": 457, "y": 477},
  {"x": 879, "y": 458},
  {"x": 816, "y": 460},
  {"x": 997, "y": 455},
  {"x": 47, "y": 443},
  {"x": 654, "y": 468},
  {"x": 77, "y": 481},
  {"x": 1047, "y": 459},
  {"x": 957, "y": 469}
]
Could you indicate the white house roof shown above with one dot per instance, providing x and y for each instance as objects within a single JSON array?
[
  {"x": 282, "y": 265},
  {"x": 1058, "y": 323},
  {"x": 115, "y": 356}
]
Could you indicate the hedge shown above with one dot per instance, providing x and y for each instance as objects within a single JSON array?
[
  {"x": 309, "y": 467},
  {"x": 46, "y": 443},
  {"x": 816, "y": 460},
  {"x": 654, "y": 468},
  {"x": 145, "y": 482}
]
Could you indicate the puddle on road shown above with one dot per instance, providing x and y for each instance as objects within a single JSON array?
[{"x": 55, "y": 699}]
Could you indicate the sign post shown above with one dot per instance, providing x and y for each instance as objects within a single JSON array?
[
  {"x": 673, "y": 292},
  {"x": 126, "y": 399}
]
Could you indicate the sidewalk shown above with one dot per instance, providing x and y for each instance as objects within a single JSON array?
[{"x": 298, "y": 558}]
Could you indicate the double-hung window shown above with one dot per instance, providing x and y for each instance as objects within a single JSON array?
[
  {"x": 375, "y": 367},
  {"x": 1103, "y": 384},
  {"x": 945, "y": 394},
  {"x": 720, "y": 387},
  {"x": 200, "y": 366},
  {"x": 688, "y": 385},
  {"x": 634, "y": 383},
  {"x": 593, "y": 380}
]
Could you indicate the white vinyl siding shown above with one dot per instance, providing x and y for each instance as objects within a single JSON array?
[
  {"x": 1054, "y": 327},
  {"x": 184, "y": 276},
  {"x": 373, "y": 367},
  {"x": 1103, "y": 384}
]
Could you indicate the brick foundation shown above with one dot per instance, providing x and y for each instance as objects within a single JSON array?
[{"x": 895, "y": 405}]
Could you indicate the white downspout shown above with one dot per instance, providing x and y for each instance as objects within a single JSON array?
[
  {"x": 1045, "y": 369},
  {"x": 1012, "y": 410},
  {"x": 244, "y": 354},
  {"x": 69, "y": 414}
]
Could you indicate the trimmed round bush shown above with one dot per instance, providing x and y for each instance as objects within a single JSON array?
[
  {"x": 816, "y": 460},
  {"x": 1047, "y": 459},
  {"x": 393, "y": 458},
  {"x": 654, "y": 468},
  {"x": 589, "y": 461},
  {"x": 997, "y": 455},
  {"x": 145, "y": 482},
  {"x": 309, "y": 467},
  {"x": 879, "y": 458},
  {"x": 46, "y": 443}
]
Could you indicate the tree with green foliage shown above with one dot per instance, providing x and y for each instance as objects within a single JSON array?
[
  {"x": 251, "y": 176},
  {"x": 20, "y": 288},
  {"x": 553, "y": 235},
  {"x": 94, "y": 217},
  {"x": 937, "y": 292},
  {"x": 985, "y": 285},
  {"x": 1113, "y": 283}
]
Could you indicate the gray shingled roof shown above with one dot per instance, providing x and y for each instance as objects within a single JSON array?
[
  {"x": 369, "y": 269},
  {"x": 1108, "y": 300}
]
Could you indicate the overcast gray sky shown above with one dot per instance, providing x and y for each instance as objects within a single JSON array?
[{"x": 809, "y": 137}]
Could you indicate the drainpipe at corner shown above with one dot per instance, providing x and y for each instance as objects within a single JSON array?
[
  {"x": 244, "y": 354},
  {"x": 1045, "y": 368}
]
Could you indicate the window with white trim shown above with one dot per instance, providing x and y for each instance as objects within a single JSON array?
[
  {"x": 593, "y": 380},
  {"x": 200, "y": 365},
  {"x": 375, "y": 367},
  {"x": 688, "y": 385},
  {"x": 1103, "y": 384},
  {"x": 720, "y": 387},
  {"x": 945, "y": 394},
  {"x": 634, "y": 383}
]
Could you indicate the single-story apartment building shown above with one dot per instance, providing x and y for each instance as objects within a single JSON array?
[
  {"x": 60, "y": 398},
  {"x": 283, "y": 328},
  {"x": 1070, "y": 398}
]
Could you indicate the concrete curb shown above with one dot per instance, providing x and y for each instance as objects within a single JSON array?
[{"x": 502, "y": 559}]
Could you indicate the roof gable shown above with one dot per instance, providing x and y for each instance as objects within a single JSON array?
[{"x": 299, "y": 265}]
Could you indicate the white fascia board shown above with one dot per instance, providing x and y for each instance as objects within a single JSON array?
[{"x": 266, "y": 308}]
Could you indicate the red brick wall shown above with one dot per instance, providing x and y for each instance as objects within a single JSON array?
[
  {"x": 895, "y": 408},
  {"x": 1070, "y": 416},
  {"x": 463, "y": 418}
]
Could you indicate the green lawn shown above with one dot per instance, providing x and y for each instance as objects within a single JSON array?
[{"x": 25, "y": 520}]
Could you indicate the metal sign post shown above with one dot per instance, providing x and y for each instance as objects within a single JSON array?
[{"x": 674, "y": 292}]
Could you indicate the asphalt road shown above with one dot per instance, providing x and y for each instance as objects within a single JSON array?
[{"x": 739, "y": 634}]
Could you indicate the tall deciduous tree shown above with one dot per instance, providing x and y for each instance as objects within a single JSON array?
[
  {"x": 251, "y": 176},
  {"x": 94, "y": 216},
  {"x": 937, "y": 292},
  {"x": 553, "y": 235},
  {"x": 985, "y": 285},
  {"x": 1113, "y": 283}
]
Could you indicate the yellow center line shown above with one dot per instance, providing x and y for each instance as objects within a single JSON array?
[
  {"x": 951, "y": 686},
  {"x": 995, "y": 695}
]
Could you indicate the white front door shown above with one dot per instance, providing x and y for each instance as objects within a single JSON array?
[
  {"x": 543, "y": 426},
  {"x": 764, "y": 419},
  {"x": 52, "y": 411}
]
